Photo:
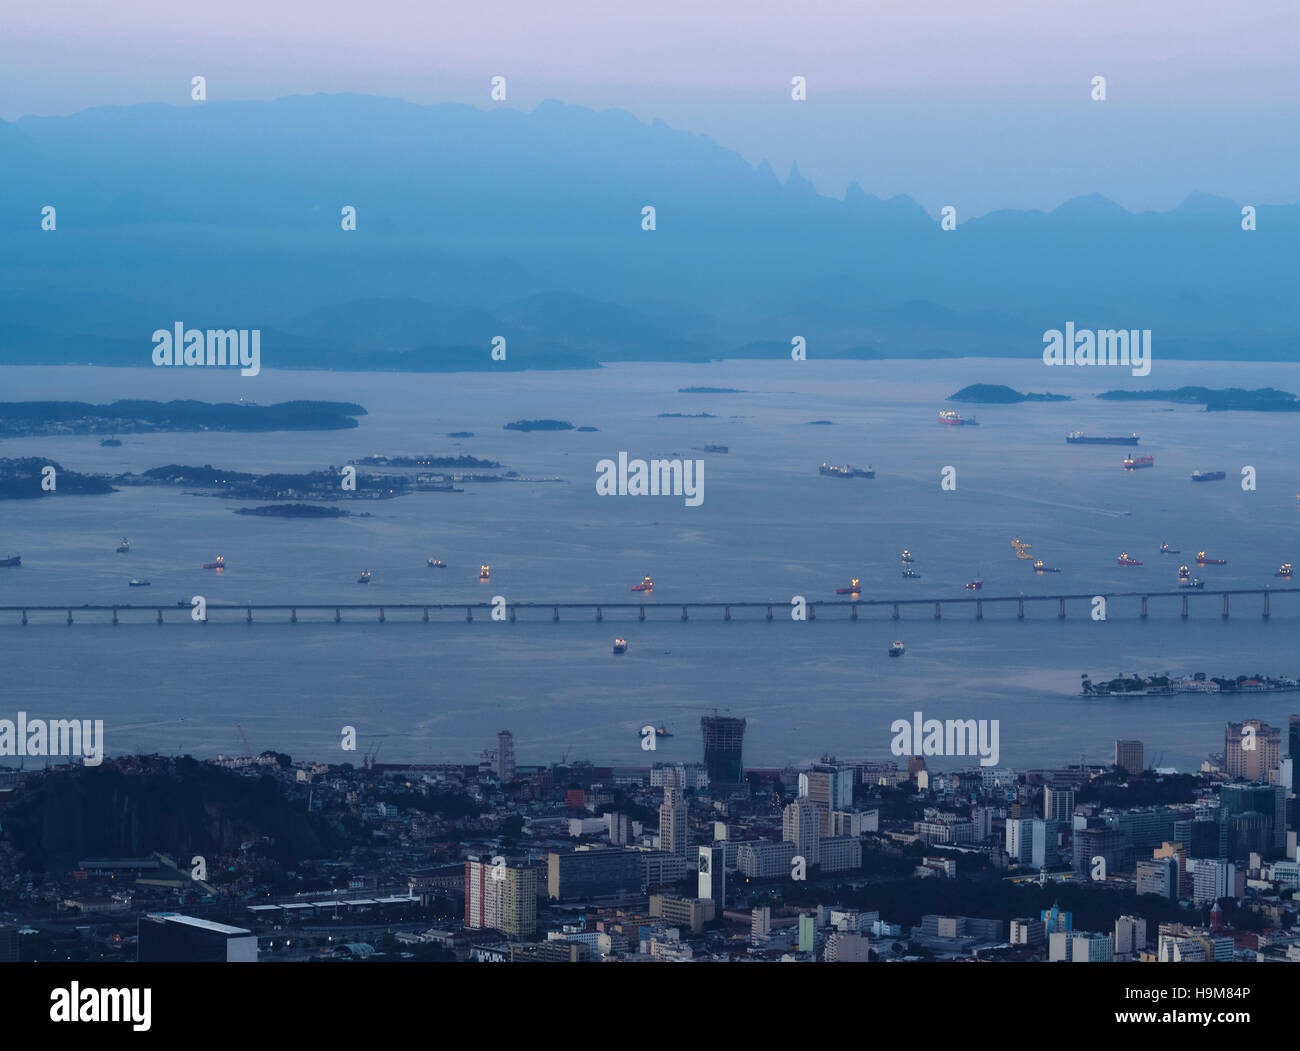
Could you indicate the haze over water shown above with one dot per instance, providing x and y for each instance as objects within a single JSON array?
[{"x": 770, "y": 528}]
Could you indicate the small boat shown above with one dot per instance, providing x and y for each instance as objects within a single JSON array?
[
  {"x": 437, "y": 563},
  {"x": 1208, "y": 476},
  {"x": 1124, "y": 560},
  {"x": 1186, "y": 580},
  {"x": 975, "y": 585},
  {"x": 1284, "y": 571},
  {"x": 1202, "y": 559},
  {"x": 220, "y": 563},
  {"x": 896, "y": 649},
  {"x": 911, "y": 573},
  {"x": 1019, "y": 544},
  {"x": 124, "y": 547},
  {"x": 853, "y": 588},
  {"x": 662, "y": 732},
  {"x": 907, "y": 557},
  {"x": 485, "y": 572},
  {"x": 713, "y": 449},
  {"x": 364, "y": 578},
  {"x": 1165, "y": 549},
  {"x": 1039, "y": 567},
  {"x": 111, "y": 442},
  {"x": 1023, "y": 554},
  {"x": 646, "y": 585},
  {"x": 954, "y": 419},
  {"x": 620, "y": 645},
  {"x": 137, "y": 583},
  {"x": 11, "y": 560}
]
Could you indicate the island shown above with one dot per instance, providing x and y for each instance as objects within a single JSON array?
[
  {"x": 538, "y": 425},
  {"x": 710, "y": 390},
  {"x": 587, "y": 430},
  {"x": 461, "y": 434},
  {"x": 300, "y": 511},
  {"x": 820, "y": 423},
  {"x": 998, "y": 394},
  {"x": 1230, "y": 399},
  {"x": 427, "y": 460},
  {"x": 22, "y": 478},
  {"x": 687, "y": 416},
  {"x": 27, "y": 418}
]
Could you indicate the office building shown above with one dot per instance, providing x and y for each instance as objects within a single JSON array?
[
  {"x": 839, "y": 853},
  {"x": 1027, "y": 931},
  {"x": 505, "y": 762},
  {"x": 1128, "y": 756},
  {"x": 674, "y": 831},
  {"x": 1058, "y": 804},
  {"x": 765, "y": 859},
  {"x": 801, "y": 823},
  {"x": 1252, "y": 755},
  {"x": 587, "y": 875},
  {"x": 168, "y": 937},
  {"x": 713, "y": 876},
  {"x": 1158, "y": 876},
  {"x": 1130, "y": 936},
  {"x": 830, "y": 788},
  {"x": 724, "y": 739}
]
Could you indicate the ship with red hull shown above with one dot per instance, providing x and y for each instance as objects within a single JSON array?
[
  {"x": 852, "y": 589},
  {"x": 645, "y": 585},
  {"x": 220, "y": 563},
  {"x": 1132, "y": 463},
  {"x": 1202, "y": 559},
  {"x": 1124, "y": 560}
]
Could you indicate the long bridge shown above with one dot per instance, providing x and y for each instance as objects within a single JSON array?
[{"x": 598, "y": 608}]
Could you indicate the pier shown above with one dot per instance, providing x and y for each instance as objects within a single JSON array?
[{"x": 1144, "y": 603}]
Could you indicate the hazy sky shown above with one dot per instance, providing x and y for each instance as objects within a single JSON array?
[{"x": 950, "y": 101}]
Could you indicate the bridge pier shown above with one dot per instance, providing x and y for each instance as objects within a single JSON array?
[
  {"x": 469, "y": 614},
  {"x": 512, "y": 614},
  {"x": 69, "y": 616},
  {"x": 555, "y": 614},
  {"x": 769, "y": 612},
  {"x": 684, "y": 616},
  {"x": 337, "y": 616},
  {"x": 812, "y": 611},
  {"x": 641, "y": 615},
  {"x": 425, "y": 617},
  {"x": 293, "y": 616},
  {"x": 937, "y": 611},
  {"x": 1225, "y": 607},
  {"x": 1144, "y": 607},
  {"x": 726, "y": 612},
  {"x": 895, "y": 611},
  {"x": 1061, "y": 612},
  {"x": 24, "y": 620},
  {"x": 1266, "y": 604},
  {"x": 1184, "y": 607},
  {"x": 1020, "y": 609},
  {"x": 381, "y": 614},
  {"x": 853, "y": 611},
  {"x": 599, "y": 614},
  {"x": 249, "y": 619},
  {"x": 979, "y": 609},
  {"x": 159, "y": 617},
  {"x": 114, "y": 614}
]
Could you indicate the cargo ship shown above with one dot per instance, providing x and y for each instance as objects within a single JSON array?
[
  {"x": 133, "y": 583},
  {"x": 124, "y": 547},
  {"x": 1186, "y": 580},
  {"x": 911, "y": 573},
  {"x": 975, "y": 584},
  {"x": 620, "y": 645},
  {"x": 11, "y": 560},
  {"x": 111, "y": 443},
  {"x": 646, "y": 585},
  {"x": 852, "y": 589},
  {"x": 437, "y": 563},
  {"x": 1208, "y": 476},
  {"x": 1039, "y": 567},
  {"x": 1079, "y": 438},
  {"x": 714, "y": 449},
  {"x": 364, "y": 578},
  {"x": 846, "y": 471},
  {"x": 896, "y": 649},
  {"x": 1284, "y": 571},
  {"x": 220, "y": 563},
  {"x": 954, "y": 419},
  {"x": 1165, "y": 549},
  {"x": 1124, "y": 560},
  {"x": 1204, "y": 560},
  {"x": 1132, "y": 463},
  {"x": 485, "y": 572}
]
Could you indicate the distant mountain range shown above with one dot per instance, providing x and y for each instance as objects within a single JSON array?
[{"x": 476, "y": 223}]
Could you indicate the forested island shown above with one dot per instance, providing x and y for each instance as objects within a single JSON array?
[
  {"x": 1235, "y": 399},
  {"x": 21, "y": 479},
  {"x": 538, "y": 425},
  {"x": 710, "y": 390},
  {"x": 26, "y": 418},
  {"x": 687, "y": 416},
  {"x": 300, "y": 511},
  {"x": 999, "y": 394}
]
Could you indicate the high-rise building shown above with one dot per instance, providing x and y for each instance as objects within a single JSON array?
[
  {"x": 713, "y": 876},
  {"x": 168, "y": 937},
  {"x": 501, "y": 897},
  {"x": 1213, "y": 880},
  {"x": 724, "y": 739},
  {"x": 505, "y": 764},
  {"x": 1202, "y": 837},
  {"x": 1251, "y": 750},
  {"x": 1128, "y": 754},
  {"x": 1058, "y": 804},
  {"x": 1293, "y": 742},
  {"x": 673, "y": 828},
  {"x": 1056, "y": 919},
  {"x": 831, "y": 788},
  {"x": 801, "y": 824},
  {"x": 1158, "y": 876},
  {"x": 1032, "y": 841},
  {"x": 1269, "y": 800},
  {"x": 8, "y": 944},
  {"x": 760, "y": 923},
  {"x": 583, "y": 875},
  {"x": 1130, "y": 936}
]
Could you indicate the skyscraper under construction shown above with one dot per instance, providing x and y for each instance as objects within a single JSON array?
[{"x": 724, "y": 738}]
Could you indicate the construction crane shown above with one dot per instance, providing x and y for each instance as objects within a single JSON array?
[
  {"x": 368, "y": 760},
  {"x": 247, "y": 748}
]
